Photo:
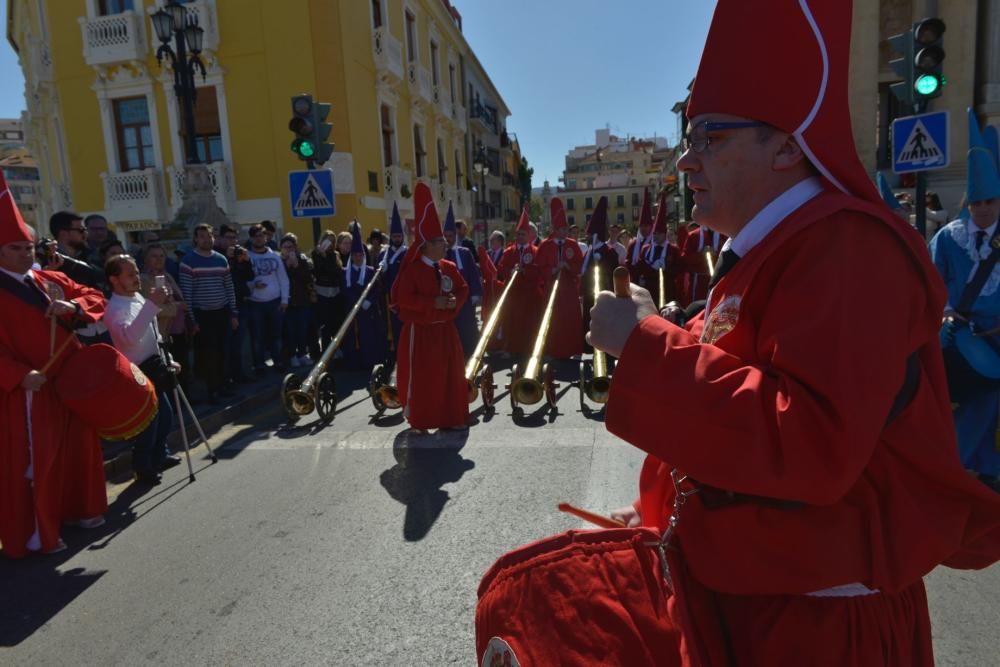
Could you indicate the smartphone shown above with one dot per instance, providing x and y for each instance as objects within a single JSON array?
[
  {"x": 325, "y": 245},
  {"x": 160, "y": 282}
]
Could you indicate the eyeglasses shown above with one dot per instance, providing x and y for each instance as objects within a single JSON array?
[
  {"x": 699, "y": 139},
  {"x": 82, "y": 230}
]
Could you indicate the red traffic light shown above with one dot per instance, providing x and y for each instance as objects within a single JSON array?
[{"x": 928, "y": 31}]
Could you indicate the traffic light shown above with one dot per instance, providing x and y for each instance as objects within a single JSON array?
[
  {"x": 928, "y": 75},
  {"x": 920, "y": 62},
  {"x": 311, "y": 130}
]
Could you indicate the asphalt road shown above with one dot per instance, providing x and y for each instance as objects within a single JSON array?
[{"x": 356, "y": 544}]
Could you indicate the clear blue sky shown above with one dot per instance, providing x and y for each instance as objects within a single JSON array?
[{"x": 565, "y": 67}]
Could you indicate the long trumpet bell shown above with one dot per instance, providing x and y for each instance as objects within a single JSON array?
[
  {"x": 301, "y": 400},
  {"x": 473, "y": 366},
  {"x": 529, "y": 388}
]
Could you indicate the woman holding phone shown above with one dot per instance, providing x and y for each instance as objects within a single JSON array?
[{"x": 170, "y": 319}]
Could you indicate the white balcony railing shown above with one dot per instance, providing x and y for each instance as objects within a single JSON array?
[
  {"x": 420, "y": 81},
  {"x": 135, "y": 195},
  {"x": 396, "y": 179},
  {"x": 118, "y": 38},
  {"x": 221, "y": 175},
  {"x": 388, "y": 54}
]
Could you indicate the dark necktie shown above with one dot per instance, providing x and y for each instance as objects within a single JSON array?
[
  {"x": 726, "y": 262},
  {"x": 437, "y": 273},
  {"x": 37, "y": 293},
  {"x": 980, "y": 238}
]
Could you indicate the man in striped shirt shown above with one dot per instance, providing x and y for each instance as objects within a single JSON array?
[{"x": 207, "y": 286}]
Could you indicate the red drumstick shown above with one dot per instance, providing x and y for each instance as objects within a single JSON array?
[{"x": 596, "y": 519}]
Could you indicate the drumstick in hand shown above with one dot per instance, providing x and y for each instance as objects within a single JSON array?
[
  {"x": 596, "y": 519},
  {"x": 622, "y": 288}
]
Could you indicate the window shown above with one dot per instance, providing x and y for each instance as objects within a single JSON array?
[
  {"x": 571, "y": 220},
  {"x": 435, "y": 77},
  {"x": 208, "y": 131},
  {"x": 458, "y": 171},
  {"x": 109, "y": 7},
  {"x": 620, "y": 201},
  {"x": 387, "y": 132},
  {"x": 570, "y": 204},
  {"x": 442, "y": 164},
  {"x": 451, "y": 82},
  {"x": 589, "y": 203},
  {"x": 135, "y": 138},
  {"x": 635, "y": 199},
  {"x": 411, "y": 43},
  {"x": 377, "y": 13},
  {"x": 621, "y": 218},
  {"x": 419, "y": 153},
  {"x": 372, "y": 181}
]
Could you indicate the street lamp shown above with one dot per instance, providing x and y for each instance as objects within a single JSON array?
[
  {"x": 482, "y": 167},
  {"x": 173, "y": 21}
]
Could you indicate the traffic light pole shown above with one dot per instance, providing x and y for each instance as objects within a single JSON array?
[
  {"x": 316, "y": 223},
  {"x": 920, "y": 196}
]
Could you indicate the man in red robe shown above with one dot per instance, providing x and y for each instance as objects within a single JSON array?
[
  {"x": 698, "y": 245},
  {"x": 429, "y": 293},
  {"x": 523, "y": 310},
  {"x": 660, "y": 255},
  {"x": 811, "y": 468},
  {"x": 51, "y": 469},
  {"x": 633, "y": 253},
  {"x": 560, "y": 257}
]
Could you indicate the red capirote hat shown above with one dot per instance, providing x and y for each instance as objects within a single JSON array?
[{"x": 12, "y": 227}]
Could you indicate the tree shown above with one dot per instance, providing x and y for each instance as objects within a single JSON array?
[
  {"x": 536, "y": 208},
  {"x": 524, "y": 174}
]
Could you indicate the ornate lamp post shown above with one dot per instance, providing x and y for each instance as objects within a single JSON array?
[
  {"x": 482, "y": 166},
  {"x": 173, "y": 22}
]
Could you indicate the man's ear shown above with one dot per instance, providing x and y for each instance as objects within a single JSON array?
[{"x": 788, "y": 155}]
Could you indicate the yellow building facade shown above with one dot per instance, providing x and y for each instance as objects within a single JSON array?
[{"x": 104, "y": 122}]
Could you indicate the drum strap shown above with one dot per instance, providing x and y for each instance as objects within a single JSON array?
[{"x": 975, "y": 286}]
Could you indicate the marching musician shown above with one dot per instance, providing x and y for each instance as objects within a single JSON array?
[
  {"x": 660, "y": 254},
  {"x": 392, "y": 258},
  {"x": 520, "y": 322},
  {"x": 633, "y": 253},
  {"x": 560, "y": 257},
  {"x": 51, "y": 467},
  {"x": 810, "y": 477},
  {"x": 429, "y": 294},
  {"x": 959, "y": 250},
  {"x": 365, "y": 342},
  {"x": 459, "y": 255},
  {"x": 497, "y": 244},
  {"x": 598, "y": 253},
  {"x": 697, "y": 243}
]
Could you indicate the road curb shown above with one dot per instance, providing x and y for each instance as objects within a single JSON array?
[{"x": 120, "y": 465}]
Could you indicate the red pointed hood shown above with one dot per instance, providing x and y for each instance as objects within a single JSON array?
[
  {"x": 646, "y": 213},
  {"x": 598, "y": 225},
  {"x": 660, "y": 226},
  {"x": 800, "y": 63},
  {"x": 558, "y": 212},
  {"x": 12, "y": 226},
  {"x": 426, "y": 227},
  {"x": 522, "y": 224}
]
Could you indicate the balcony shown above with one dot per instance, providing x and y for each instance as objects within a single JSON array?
[
  {"x": 396, "y": 179},
  {"x": 41, "y": 65},
  {"x": 221, "y": 175},
  {"x": 508, "y": 179},
  {"x": 388, "y": 55},
  {"x": 420, "y": 82},
  {"x": 458, "y": 115},
  {"x": 135, "y": 195},
  {"x": 485, "y": 116},
  {"x": 118, "y": 38},
  {"x": 206, "y": 15}
]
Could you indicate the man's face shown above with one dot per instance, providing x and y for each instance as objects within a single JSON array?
[
  {"x": 644, "y": 230},
  {"x": 74, "y": 236},
  {"x": 17, "y": 257},
  {"x": 396, "y": 240},
  {"x": 614, "y": 232},
  {"x": 521, "y": 236},
  {"x": 435, "y": 249},
  {"x": 496, "y": 243},
  {"x": 258, "y": 240},
  {"x": 660, "y": 237},
  {"x": 227, "y": 240},
  {"x": 204, "y": 239},
  {"x": 462, "y": 230},
  {"x": 560, "y": 232},
  {"x": 984, "y": 213},
  {"x": 154, "y": 261},
  {"x": 126, "y": 283},
  {"x": 97, "y": 231},
  {"x": 730, "y": 174},
  {"x": 450, "y": 237},
  {"x": 358, "y": 258}
]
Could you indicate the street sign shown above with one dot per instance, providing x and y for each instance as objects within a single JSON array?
[
  {"x": 311, "y": 193},
  {"x": 921, "y": 143}
]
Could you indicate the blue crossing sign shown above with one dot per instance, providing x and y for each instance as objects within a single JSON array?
[
  {"x": 311, "y": 193},
  {"x": 921, "y": 143}
]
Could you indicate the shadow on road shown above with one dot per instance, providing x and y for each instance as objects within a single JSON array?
[{"x": 425, "y": 463}]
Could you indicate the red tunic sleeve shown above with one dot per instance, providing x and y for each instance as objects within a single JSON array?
[
  {"x": 797, "y": 413},
  {"x": 92, "y": 301},
  {"x": 12, "y": 371}
]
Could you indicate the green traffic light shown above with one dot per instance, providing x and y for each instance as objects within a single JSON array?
[
  {"x": 927, "y": 84},
  {"x": 306, "y": 149}
]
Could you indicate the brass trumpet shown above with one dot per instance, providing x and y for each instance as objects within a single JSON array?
[
  {"x": 536, "y": 381},
  {"x": 300, "y": 397},
  {"x": 596, "y": 384},
  {"x": 483, "y": 381},
  {"x": 662, "y": 300}
]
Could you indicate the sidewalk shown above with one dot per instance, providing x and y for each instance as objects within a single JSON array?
[{"x": 250, "y": 398}]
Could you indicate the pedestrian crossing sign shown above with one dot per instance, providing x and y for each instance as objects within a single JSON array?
[
  {"x": 921, "y": 143},
  {"x": 311, "y": 193}
]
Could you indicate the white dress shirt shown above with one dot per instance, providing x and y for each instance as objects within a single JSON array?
[
  {"x": 771, "y": 215},
  {"x": 131, "y": 321}
]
